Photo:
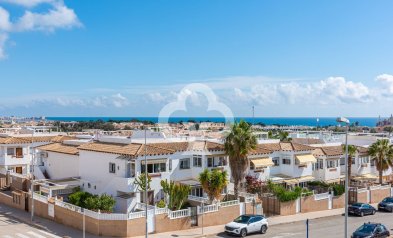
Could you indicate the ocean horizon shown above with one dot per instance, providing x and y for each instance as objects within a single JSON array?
[{"x": 290, "y": 121}]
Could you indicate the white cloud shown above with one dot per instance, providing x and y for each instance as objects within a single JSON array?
[
  {"x": 3, "y": 39},
  {"x": 58, "y": 16},
  {"x": 119, "y": 100},
  {"x": 332, "y": 90},
  {"x": 387, "y": 82}
]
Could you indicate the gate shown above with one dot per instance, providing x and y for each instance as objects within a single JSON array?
[
  {"x": 258, "y": 209},
  {"x": 194, "y": 216},
  {"x": 352, "y": 195}
]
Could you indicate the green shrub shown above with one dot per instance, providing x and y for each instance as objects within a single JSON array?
[
  {"x": 338, "y": 189},
  {"x": 284, "y": 195},
  {"x": 89, "y": 201},
  {"x": 161, "y": 204}
]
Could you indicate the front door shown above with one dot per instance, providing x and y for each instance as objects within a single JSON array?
[{"x": 18, "y": 170}]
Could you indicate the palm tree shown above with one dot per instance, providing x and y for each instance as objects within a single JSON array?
[
  {"x": 382, "y": 153},
  {"x": 239, "y": 142},
  {"x": 351, "y": 155},
  {"x": 213, "y": 182}
]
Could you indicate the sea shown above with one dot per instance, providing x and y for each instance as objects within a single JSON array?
[{"x": 288, "y": 121}]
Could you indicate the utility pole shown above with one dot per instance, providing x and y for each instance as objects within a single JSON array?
[{"x": 146, "y": 235}]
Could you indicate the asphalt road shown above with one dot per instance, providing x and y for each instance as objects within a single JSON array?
[{"x": 327, "y": 227}]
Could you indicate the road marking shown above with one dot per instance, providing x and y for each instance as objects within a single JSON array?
[
  {"x": 21, "y": 235},
  {"x": 49, "y": 234},
  {"x": 35, "y": 234},
  {"x": 7, "y": 236}
]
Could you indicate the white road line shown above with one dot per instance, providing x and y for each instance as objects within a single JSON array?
[
  {"x": 21, "y": 235},
  {"x": 35, "y": 234},
  {"x": 6, "y": 236},
  {"x": 49, "y": 234}
]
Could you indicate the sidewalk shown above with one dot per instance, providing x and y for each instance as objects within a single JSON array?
[
  {"x": 213, "y": 230},
  {"x": 41, "y": 223}
]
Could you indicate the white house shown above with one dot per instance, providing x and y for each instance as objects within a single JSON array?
[
  {"x": 284, "y": 162},
  {"x": 14, "y": 155},
  {"x": 327, "y": 168}
]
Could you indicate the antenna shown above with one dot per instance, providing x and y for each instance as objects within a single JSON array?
[{"x": 253, "y": 115}]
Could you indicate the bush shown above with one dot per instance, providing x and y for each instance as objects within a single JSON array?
[
  {"x": 161, "y": 204},
  {"x": 338, "y": 189},
  {"x": 317, "y": 184},
  {"x": 89, "y": 201},
  {"x": 284, "y": 195}
]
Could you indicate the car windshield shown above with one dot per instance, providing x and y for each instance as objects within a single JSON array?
[
  {"x": 366, "y": 228},
  {"x": 356, "y": 205},
  {"x": 242, "y": 219},
  {"x": 388, "y": 200}
]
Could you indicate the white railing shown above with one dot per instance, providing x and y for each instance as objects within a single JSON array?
[
  {"x": 321, "y": 196},
  {"x": 142, "y": 206},
  {"x": 375, "y": 187},
  {"x": 40, "y": 198},
  {"x": 249, "y": 199},
  {"x": 386, "y": 186},
  {"x": 113, "y": 216},
  {"x": 68, "y": 206},
  {"x": 229, "y": 203},
  {"x": 135, "y": 215},
  {"x": 92, "y": 214},
  {"x": 179, "y": 213},
  {"x": 161, "y": 210},
  {"x": 207, "y": 209},
  {"x": 362, "y": 190}
]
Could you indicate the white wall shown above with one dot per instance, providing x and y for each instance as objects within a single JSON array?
[{"x": 59, "y": 165}]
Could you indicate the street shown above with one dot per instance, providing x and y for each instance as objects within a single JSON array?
[
  {"x": 327, "y": 227},
  {"x": 14, "y": 223}
]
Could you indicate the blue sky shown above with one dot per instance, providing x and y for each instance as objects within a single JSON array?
[{"x": 130, "y": 58}]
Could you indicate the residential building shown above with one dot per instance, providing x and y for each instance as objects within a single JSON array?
[{"x": 327, "y": 168}]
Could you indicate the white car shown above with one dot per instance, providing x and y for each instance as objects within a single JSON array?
[{"x": 246, "y": 224}]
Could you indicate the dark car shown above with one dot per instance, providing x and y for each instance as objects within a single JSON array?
[
  {"x": 371, "y": 230},
  {"x": 386, "y": 205},
  {"x": 361, "y": 209}
]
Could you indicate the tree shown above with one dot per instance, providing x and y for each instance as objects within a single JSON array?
[
  {"x": 213, "y": 182},
  {"x": 388, "y": 129},
  {"x": 255, "y": 186},
  {"x": 283, "y": 136},
  {"x": 382, "y": 153},
  {"x": 239, "y": 142},
  {"x": 351, "y": 154},
  {"x": 177, "y": 193},
  {"x": 141, "y": 183}
]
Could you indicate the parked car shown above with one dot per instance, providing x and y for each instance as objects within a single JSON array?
[
  {"x": 371, "y": 230},
  {"x": 246, "y": 224},
  {"x": 386, "y": 204},
  {"x": 361, "y": 209}
]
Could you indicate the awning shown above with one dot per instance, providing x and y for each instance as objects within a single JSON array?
[
  {"x": 154, "y": 161},
  {"x": 305, "y": 179},
  {"x": 333, "y": 181},
  {"x": 262, "y": 162},
  {"x": 305, "y": 159},
  {"x": 365, "y": 177},
  {"x": 291, "y": 181},
  {"x": 190, "y": 182}
]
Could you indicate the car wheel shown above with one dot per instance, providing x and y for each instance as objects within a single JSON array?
[
  {"x": 361, "y": 214},
  {"x": 243, "y": 233},
  {"x": 373, "y": 212},
  {"x": 263, "y": 229},
  {"x": 391, "y": 209}
]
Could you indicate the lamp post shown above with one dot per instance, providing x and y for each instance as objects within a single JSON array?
[
  {"x": 346, "y": 121},
  {"x": 146, "y": 187}
]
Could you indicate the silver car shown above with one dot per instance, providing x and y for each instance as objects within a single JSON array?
[{"x": 246, "y": 224}]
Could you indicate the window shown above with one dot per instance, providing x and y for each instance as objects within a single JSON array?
[
  {"x": 286, "y": 161},
  {"x": 196, "y": 191},
  {"x": 112, "y": 168},
  {"x": 353, "y": 160},
  {"x": 342, "y": 161},
  {"x": 210, "y": 162},
  {"x": 88, "y": 185},
  {"x": 154, "y": 167},
  {"x": 331, "y": 164},
  {"x": 372, "y": 162},
  {"x": 10, "y": 151},
  {"x": 320, "y": 164},
  {"x": 185, "y": 163},
  {"x": 364, "y": 160},
  {"x": 170, "y": 165},
  {"x": 197, "y": 160},
  {"x": 276, "y": 161}
]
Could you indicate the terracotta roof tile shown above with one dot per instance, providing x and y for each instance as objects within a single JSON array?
[
  {"x": 307, "y": 141},
  {"x": 60, "y": 148},
  {"x": 285, "y": 146},
  {"x": 111, "y": 148},
  {"x": 13, "y": 140},
  {"x": 38, "y": 138},
  {"x": 329, "y": 151}
]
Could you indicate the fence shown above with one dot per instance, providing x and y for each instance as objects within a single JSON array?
[
  {"x": 179, "y": 213},
  {"x": 207, "y": 209},
  {"x": 321, "y": 196},
  {"x": 229, "y": 203},
  {"x": 40, "y": 198}
]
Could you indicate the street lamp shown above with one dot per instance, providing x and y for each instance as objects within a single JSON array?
[{"x": 346, "y": 121}]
